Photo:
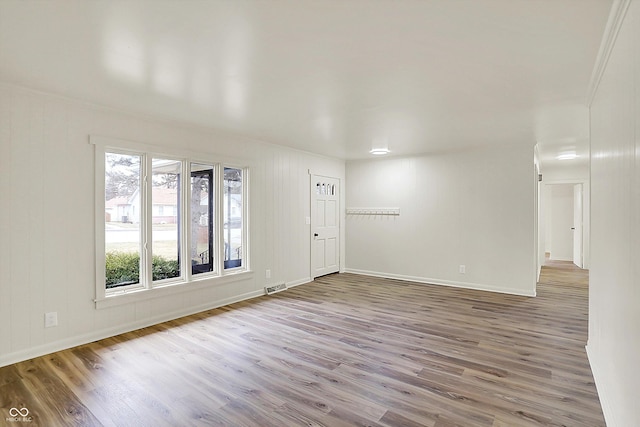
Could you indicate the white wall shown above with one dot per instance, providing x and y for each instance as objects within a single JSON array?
[
  {"x": 566, "y": 173},
  {"x": 47, "y": 259},
  {"x": 475, "y": 208},
  {"x": 614, "y": 291}
]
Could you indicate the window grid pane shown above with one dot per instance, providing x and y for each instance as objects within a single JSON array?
[
  {"x": 122, "y": 219},
  {"x": 232, "y": 217},
  {"x": 202, "y": 219},
  {"x": 165, "y": 231}
]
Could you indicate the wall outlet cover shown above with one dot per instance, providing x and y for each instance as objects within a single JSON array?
[{"x": 51, "y": 319}]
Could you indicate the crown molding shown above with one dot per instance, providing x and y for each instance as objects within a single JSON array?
[{"x": 614, "y": 23}]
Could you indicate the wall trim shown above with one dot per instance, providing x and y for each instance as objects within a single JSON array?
[
  {"x": 601, "y": 388},
  {"x": 299, "y": 282},
  {"x": 614, "y": 23},
  {"x": 439, "y": 282},
  {"x": 41, "y": 350}
]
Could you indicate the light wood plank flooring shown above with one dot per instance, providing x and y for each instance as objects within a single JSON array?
[{"x": 343, "y": 350}]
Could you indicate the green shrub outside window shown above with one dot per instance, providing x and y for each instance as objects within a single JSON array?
[{"x": 122, "y": 268}]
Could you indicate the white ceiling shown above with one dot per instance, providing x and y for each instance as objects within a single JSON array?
[{"x": 335, "y": 77}]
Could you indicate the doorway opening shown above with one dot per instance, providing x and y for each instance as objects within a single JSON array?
[{"x": 564, "y": 223}]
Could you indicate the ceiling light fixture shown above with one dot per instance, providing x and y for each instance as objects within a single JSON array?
[
  {"x": 379, "y": 151},
  {"x": 567, "y": 156}
]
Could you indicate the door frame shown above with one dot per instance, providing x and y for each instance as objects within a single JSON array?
[
  {"x": 586, "y": 217},
  {"x": 340, "y": 218},
  {"x": 578, "y": 219}
]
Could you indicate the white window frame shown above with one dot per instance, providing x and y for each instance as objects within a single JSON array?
[
  {"x": 144, "y": 206},
  {"x": 147, "y": 288},
  {"x": 214, "y": 221},
  {"x": 148, "y": 221},
  {"x": 245, "y": 213}
]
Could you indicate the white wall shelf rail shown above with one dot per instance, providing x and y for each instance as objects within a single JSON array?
[{"x": 373, "y": 211}]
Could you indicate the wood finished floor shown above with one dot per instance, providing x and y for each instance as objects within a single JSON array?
[{"x": 343, "y": 350}]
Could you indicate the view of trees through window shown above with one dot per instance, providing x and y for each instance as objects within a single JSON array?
[
  {"x": 122, "y": 219},
  {"x": 165, "y": 218},
  {"x": 127, "y": 219},
  {"x": 232, "y": 187},
  {"x": 202, "y": 219}
]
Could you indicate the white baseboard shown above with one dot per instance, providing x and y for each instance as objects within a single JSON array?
[
  {"x": 538, "y": 274},
  {"x": 455, "y": 284},
  {"x": 41, "y": 350},
  {"x": 299, "y": 282},
  {"x": 602, "y": 388}
]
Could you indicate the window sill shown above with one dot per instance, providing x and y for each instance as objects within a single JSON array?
[{"x": 137, "y": 295}]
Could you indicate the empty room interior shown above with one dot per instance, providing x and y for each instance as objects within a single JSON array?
[{"x": 396, "y": 213}]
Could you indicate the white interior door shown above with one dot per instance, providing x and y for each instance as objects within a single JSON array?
[
  {"x": 325, "y": 225},
  {"x": 560, "y": 224},
  {"x": 577, "y": 225}
]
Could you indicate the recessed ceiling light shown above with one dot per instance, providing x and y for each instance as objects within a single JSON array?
[
  {"x": 567, "y": 156},
  {"x": 379, "y": 151}
]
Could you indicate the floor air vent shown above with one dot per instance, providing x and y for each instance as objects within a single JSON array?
[{"x": 275, "y": 288}]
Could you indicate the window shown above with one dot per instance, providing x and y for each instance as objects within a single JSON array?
[
  {"x": 202, "y": 219},
  {"x": 165, "y": 231},
  {"x": 233, "y": 236},
  {"x": 122, "y": 219},
  {"x": 159, "y": 229}
]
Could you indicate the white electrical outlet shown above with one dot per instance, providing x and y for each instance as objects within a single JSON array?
[
  {"x": 268, "y": 274},
  {"x": 462, "y": 269},
  {"x": 51, "y": 319}
]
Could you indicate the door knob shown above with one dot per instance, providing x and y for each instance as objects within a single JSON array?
[{"x": 315, "y": 234}]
